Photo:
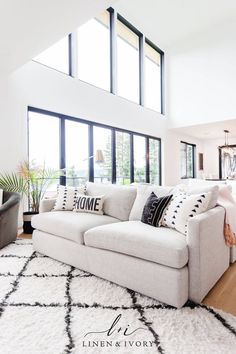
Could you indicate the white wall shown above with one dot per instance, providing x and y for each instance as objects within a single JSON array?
[
  {"x": 171, "y": 168},
  {"x": 211, "y": 156},
  {"x": 202, "y": 78},
  {"x": 39, "y": 86}
]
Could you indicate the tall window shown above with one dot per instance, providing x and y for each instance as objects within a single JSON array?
[
  {"x": 154, "y": 161},
  {"x": 44, "y": 140},
  {"x": 187, "y": 158},
  {"x": 57, "y": 56},
  {"x": 122, "y": 157},
  {"x": 102, "y": 155},
  {"x": 139, "y": 159},
  {"x": 127, "y": 63},
  {"x": 90, "y": 151},
  {"x": 152, "y": 78},
  {"x": 76, "y": 153},
  {"x": 93, "y": 44},
  {"x": 110, "y": 53}
]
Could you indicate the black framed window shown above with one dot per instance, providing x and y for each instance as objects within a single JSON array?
[
  {"x": 76, "y": 153},
  {"x": 102, "y": 146},
  {"x": 153, "y": 77},
  {"x": 89, "y": 151},
  {"x": 187, "y": 159},
  {"x": 127, "y": 61},
  {"x": 122, "y": 157},
  {"x": 110, "y": 53},
  {"x": 140, "y": 158},
  {"x": 93, "y": 51}
]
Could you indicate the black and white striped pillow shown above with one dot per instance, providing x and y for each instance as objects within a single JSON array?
[
  {"x": 67, "y": 196},
  {"x": 154, "y": 209}
]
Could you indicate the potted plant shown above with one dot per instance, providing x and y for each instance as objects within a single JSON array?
[{"x": 32, "y": 181}]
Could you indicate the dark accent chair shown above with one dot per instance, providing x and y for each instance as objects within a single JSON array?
[{"x": 9, "y": 218}]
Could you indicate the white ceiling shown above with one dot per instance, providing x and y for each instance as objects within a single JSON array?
[
  {"x": 211, "y": 130},
  {"x": 169, "y": 21},
  {"x": 27, "y": 27}
]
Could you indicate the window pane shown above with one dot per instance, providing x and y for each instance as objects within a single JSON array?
[
  {"x": 93, "y": 41},
  {"x": 76, "y": 153},
  {"x": 57, "y": 56},
  {"x": 127, "y": 63},
  {"x": 44, "y": 144},
  {"x": 152, "y": 78},
  {"x": 122, "y": 158},
  {"x": 102, "y": 155},
  {"x": 154, "y": 161},
  {"x": 183, "y": 160},
  {"x": 44, "y": 140},
  {"x": 189, "y": 160},
  {"x": 139, "y": 159}
]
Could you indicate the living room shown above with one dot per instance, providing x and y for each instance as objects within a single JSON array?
[{"x": 112, "y": 108}]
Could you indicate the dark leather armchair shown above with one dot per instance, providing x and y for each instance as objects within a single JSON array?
[{"x": 9, "y": 218}]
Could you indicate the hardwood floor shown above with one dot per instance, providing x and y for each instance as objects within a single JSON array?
[{"x": 222, "y": 296}]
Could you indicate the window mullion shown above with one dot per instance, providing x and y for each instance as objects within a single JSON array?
[
  {"x": 91, "y": 153},
  {"x": 113, "y": 154},
  {"x": 113, "y": 52},
  {"x": 141, "y": 71},
  {"x": 73, "y": 54},
  {"x": 131, "y": 158},
  {"x": 147, "y": 161},
  {"x": 62, "y": 146}
]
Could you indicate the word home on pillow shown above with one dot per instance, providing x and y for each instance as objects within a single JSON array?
[{"x": 89, "y": 204}]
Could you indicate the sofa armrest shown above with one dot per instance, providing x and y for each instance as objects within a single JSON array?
[
  {"x": 11, "y": 200},
  {"x": 208, "y": 253},
  {"x": 9, "y": 218},
  {"x": 47, "y": 205}
]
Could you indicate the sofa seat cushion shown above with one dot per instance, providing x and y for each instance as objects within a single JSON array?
[
  {"x": 68, "y": 224},
  {"x": 157, "y": 244}
]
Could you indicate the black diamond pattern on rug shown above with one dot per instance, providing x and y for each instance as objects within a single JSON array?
[{"x": 50, "y": 307}]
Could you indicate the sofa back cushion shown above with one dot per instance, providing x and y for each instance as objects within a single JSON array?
[
  {"x": 143, "y": 192},
  {"x": 118, "y": 199}
]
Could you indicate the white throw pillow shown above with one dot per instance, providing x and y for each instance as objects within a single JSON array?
[
  {"x": 143, "y": 192},
  {"x": 67, "y": 196},
  {"x": 182, "y": 207},
  {"x": 89, "y": 204},
  {"x": 118, "y": 199},
  {"x": 1, "y": 196},
  {"x": 214, "y": 190}
]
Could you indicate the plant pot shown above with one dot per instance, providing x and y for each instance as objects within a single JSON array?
[{"x": 27, "y": 216}]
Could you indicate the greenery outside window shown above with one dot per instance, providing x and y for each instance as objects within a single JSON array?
[
  {"x": 89, "y": 151},
  {"x": 187, "y": 158}
]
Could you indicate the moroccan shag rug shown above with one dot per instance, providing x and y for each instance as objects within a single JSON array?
[{"x": 47, "y": 307}]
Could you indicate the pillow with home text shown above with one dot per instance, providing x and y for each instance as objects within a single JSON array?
[{"x": 89, "y": 204}]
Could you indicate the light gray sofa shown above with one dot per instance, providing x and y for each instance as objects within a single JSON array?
[{"x": 158, "y": 262}]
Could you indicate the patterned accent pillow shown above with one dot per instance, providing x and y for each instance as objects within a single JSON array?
[
  {"x": 89, "y": 204},
  {"x": 67, "y": 196},
  {"x": 154, "y": 209},
  {"x": 182, "y": 207}
]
